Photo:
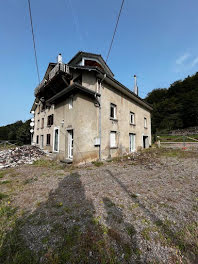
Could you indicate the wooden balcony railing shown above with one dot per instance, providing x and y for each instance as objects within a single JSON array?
[{"x": 60, "y": 67}]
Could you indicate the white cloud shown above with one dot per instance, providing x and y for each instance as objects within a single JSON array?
[
  {"x": 194, "y": 62},
  {"x": 182, "y": 58}
]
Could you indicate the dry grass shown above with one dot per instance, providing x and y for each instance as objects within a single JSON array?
[{"x": 139, "y": 209}]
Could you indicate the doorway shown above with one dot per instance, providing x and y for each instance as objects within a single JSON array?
[
  {"x": 42, "y": 141},
  {"x": 131, "y": 142},
  {"x": 70, "y": 143},
  {"x": 145, "y": 142}
]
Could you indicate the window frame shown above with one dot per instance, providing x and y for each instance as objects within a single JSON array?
[
  {"x": 132, "y": 114},
  {"x": 114, "y": 107},
  {"x": 145, "y": 123},
  {"x": 56, "y": 128}
]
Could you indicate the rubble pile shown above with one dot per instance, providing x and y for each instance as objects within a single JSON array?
[{"x": 19, "y": 155}]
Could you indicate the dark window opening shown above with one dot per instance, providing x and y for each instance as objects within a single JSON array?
[
  {"x": 37, "y": 139},
  {"x": 48, "y": 139},
  {"x": 42, "y": 123},
  {"x": 92, "y": 63},
  {"x": 50, "y": 120},
  {"x": 113, "y": 111}
]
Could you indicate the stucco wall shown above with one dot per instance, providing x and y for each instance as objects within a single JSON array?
[
  {"x": 89, "y": 80},
  {"x": 82, "y": 119},
  {"x": 122, "y": 126},
  {"x": 43, "y": 131}
]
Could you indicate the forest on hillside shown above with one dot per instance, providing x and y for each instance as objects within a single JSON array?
[
  {"x": 18, "y": 132},
  {"x": 175, "y": 107}
]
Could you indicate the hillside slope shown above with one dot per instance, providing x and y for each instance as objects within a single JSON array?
[{"x": 175, "y": 107}]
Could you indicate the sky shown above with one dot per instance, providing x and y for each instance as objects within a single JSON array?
[{"x": 155, "y": 39}]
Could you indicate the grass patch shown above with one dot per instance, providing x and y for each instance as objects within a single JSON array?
[
  {"x": 31, "y": 180},
  {"x": 2, "y": 174},
  {"x": 3, "y": 195},
  {"x": 131, "y": 231},
  {"x": 133, "y": 206},
  {"x": 97, "y": 163},
  {"x": 5, "y": 182},
  {"x": 146, "y": 233},
  {"x": 177, "y": 153},
  {"x": 177, "y": 138},
  {"x": 48, "y": 164}
]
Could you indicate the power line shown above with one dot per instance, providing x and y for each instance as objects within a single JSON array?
[
  {"x": 115, "y": 30},
  {"x": 33, "y": 40}
]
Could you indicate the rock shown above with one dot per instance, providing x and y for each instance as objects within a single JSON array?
[{"x": 19, "y": 155}]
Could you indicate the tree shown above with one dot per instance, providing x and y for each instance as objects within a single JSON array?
[{"x": 175, "y": 107}]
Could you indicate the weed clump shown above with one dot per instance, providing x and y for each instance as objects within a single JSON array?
[{"x": 97, "y": 163}]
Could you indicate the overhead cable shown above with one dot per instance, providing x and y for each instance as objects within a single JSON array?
[
  {"x": 115, "y": 30},
  {"x": 33, "y": 38}
]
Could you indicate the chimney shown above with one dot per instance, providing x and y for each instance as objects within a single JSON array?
[
  {"x": 135, "y": 85},
  {"x": 59, "y": 58}
]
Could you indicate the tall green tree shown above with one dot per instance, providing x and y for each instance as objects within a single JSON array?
[{"x": 175, "y": 107}]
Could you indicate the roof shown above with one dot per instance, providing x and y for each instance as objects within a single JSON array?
[
  {"x": 117, "y": 85},
  {"x": 79, "y": 55},
  {"x": 73, "y": 63},
  {"x": 71, "y": 88}
]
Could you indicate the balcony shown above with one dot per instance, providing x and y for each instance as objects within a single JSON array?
[{"x": 59, "y": 68}]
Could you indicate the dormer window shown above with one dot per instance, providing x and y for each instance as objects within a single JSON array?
[{"x": 90, "y": 63}]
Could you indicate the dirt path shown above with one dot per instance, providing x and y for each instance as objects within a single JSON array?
[{"x": 138, "y": 210}]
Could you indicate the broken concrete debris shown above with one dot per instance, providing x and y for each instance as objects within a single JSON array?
[{"x": 19, "y": 155}]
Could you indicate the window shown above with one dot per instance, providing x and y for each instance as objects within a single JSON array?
[
  {"x": 132, "y": 118},
  {"x": 113, "y": 139},
  {"x": 113, "y": 111},
  {"x": 38, "y": 124},
  {"x": 37, "y": 139},
  {"x": 145, "y": 122},
  {"x": 42, "y": 123},
  {"x": 50, "y": 120},
  {"x": 56, "y": 139},
  {"x": 48, "y": 139},
  {"x": 70, "y": 102}
]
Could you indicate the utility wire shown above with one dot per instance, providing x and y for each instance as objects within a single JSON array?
[
  {"x": 115, "y": 30},
  {"x": 33, "y": 38}
]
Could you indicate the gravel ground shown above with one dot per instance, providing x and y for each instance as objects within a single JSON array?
[{"x": 141, "y": 209}]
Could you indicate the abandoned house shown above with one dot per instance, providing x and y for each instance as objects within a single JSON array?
[{"x": 81, "y": 113}]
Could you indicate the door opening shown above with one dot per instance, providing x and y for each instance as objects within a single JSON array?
[
  {"x": 132, "y": 142},
  {"x": 42, "y": 141},
  {"x": 56, "y": 140},
  {"x": 145, "y": 142},
  {"x": 70, "y": 144}
]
